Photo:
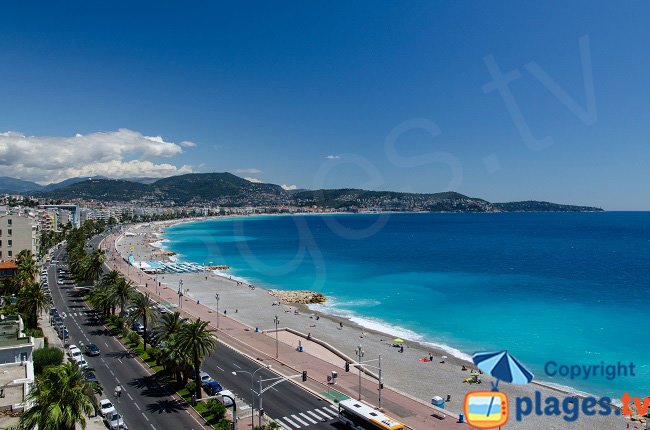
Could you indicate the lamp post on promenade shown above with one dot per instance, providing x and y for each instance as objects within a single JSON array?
[
  {"x": 276, "y": 320},
  {"x": 180, "y": 294},
  {"x": 359, "y": 352},
  {"x": 216, "y": 296}
]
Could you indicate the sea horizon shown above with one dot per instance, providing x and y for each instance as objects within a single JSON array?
[{"x": 255, "y": 253}]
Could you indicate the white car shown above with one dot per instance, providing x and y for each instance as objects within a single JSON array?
[
  {"x": 226, "y": 401},
  {"x": 106, "y": 407},
  {"x": 115, "y": 421},
  {"x": 205, "y": 378},
  {"x": 82, "y": 363},
  {"x": 74, "y": 352}
]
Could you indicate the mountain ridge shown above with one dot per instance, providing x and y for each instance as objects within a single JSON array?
[{"x": 230, "y": 190}]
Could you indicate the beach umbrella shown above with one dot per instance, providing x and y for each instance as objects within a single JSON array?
[
  {"x": 503, "y": 366},
  {"x": 398, "y": 340}
]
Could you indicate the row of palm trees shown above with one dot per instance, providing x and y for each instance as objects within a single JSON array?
[
  {"x": 85, "y": 266},
  {"x": 30, "y": 297},
  {"x": 183, "y": 344}
]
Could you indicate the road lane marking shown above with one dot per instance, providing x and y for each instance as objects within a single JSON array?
[
  {"x": 153, "y": 427},
  {"x": 308, "y": 418},
  {"x": 235, "y": 364},
  {"x": 111, "y": 372},
  {"x": 120, "y": 360},
  {"x": 129, "y": 396},
  {"x": 334, "y": 408},
  {"x": 136, "y": 405},
  {"x": 299, "y": 420},
  {"x": 145, "y": 417},
  {"x": 219, "y": 367}
]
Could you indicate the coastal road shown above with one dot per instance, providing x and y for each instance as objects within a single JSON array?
[
  {"x": 287, "y": 403},
  {"x": 144, "y": 404}
]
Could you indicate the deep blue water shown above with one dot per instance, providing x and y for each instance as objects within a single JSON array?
[{"x": 572, "y": 288}]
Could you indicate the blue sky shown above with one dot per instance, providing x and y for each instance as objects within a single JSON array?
[{"x": 269, "y": 90}]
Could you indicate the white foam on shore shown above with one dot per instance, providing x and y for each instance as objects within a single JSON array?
[
  {"x": 232, "y": 277},
  {"x": 390, "y": 330},
  {"x": 160, "y": 244}
]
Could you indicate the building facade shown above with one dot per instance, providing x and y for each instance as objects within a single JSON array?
[{"x": 17, "y": 232}]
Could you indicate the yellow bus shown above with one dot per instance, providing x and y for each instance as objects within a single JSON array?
[{"x": 359, "y": 416}]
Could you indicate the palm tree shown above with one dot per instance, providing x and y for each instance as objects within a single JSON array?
[
  {"x": 94, "y": 265},
  {"x": 198, "y": 341},
  {"x": 61, "y": 398},
  {"x": 26, "y": 263},
  {"x": 32, "y": 301},
  {"x": 142, "y": 310},
  {"x": 175, "y": 360},
  {"x": 170, "y": 324},
  {"x": 122, "y": 291},
  {"x": 110, "y": 278}
]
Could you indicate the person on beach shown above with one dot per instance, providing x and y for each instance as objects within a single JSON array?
[{"x": 430, "y": 356}]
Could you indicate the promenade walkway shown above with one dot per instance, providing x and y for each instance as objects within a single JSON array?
[{"x": 413, "y": 412}]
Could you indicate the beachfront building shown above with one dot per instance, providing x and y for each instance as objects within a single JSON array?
[
  {"x": 17, "y": 232},
  {"x": 16, "y": 365}
]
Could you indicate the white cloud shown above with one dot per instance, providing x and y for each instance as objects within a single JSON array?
[
  {"x": 333, "y": 157},
  {"x": 115, "y": 154},
  {"x": 289, "y": 187},
  {"x": 188, "y": 144},
  {"x": 253, "y": 180},
  {"x": 250, "y": 170}
]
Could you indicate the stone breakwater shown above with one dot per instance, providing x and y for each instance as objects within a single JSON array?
[{"x": 299, "y": 297}]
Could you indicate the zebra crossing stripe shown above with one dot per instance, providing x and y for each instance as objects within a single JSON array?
[
  {"x": 283, "y": 425},
  {"x": 307, "y": 417},
  {"x": 291, "y": 422},
  {"x": 334, "y": 408},
  {"x": 299, "y": 420},
  {"x": 318, "y": 417},
  {"x": 329, "y": 412},
  {"x": 318, "y": 411}
]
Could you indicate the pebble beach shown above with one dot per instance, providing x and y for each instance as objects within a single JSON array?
[{"x": 409, "y": 371}]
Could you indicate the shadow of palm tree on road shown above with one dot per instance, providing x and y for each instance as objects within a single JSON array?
[
  {"x": 149, "y": 386},
  {"x": 120, "y": 354},
  {"x": 166, "y": 407}
]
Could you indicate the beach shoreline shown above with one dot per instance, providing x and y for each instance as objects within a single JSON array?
[{"x": 251, "y": 308}]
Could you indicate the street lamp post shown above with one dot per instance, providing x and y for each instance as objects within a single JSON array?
[
  {"x": 359, "y": 352},
  {"x": 276, "y": 320},
  {"x": 252, "y": 375},
  {"x": 180, "y": 293},
  {"x": 216, "y": 296},
  {"x": 234, "y": 411}
]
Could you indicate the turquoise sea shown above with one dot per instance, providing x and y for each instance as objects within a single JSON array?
[{"x": 568, "y": 287}]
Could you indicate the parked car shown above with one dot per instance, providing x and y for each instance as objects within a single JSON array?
[
  {"x": 73, "y": 348},
  {"x": 106, "y": 407},
  {"x": 212, "y": 388},
  {"x": 137, "y": 327},
  {"x": 115, "y": 421},
  {"x": 82, "y": 363},
  {"x": 90, "y": 377},
  {"x": 92, "y": 350},
  {"x": 205, "y": 378}
]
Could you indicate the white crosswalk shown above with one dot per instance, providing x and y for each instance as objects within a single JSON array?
[{"x": 307, "y": 418}]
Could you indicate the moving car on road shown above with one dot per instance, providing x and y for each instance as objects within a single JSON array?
[{"x": 92, "y": 350}]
